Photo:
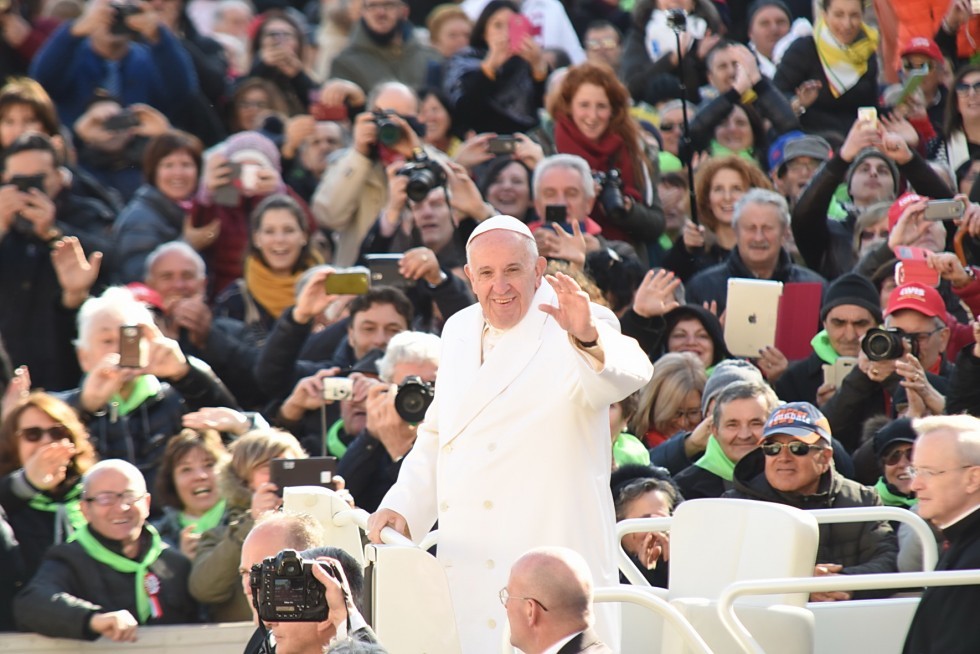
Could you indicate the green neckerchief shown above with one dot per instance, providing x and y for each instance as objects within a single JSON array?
[
  {"x": 714, "y": 460},
  {"x": 837, "y": 209},
  {"x": 821, "y": 345},
  {"x": 889, "y": 498},
  {"x": 718, "y": 150},
  {"x": 209, "y": 520},
  {"x": 665, "y": 242},
  {"x": 67, "y": 510},
  {"x": 120, "y": 563},
  {"x": 629, "y": 449},
  {"x": 335, "y": 446},
  {"x": 144, "y": 387}
]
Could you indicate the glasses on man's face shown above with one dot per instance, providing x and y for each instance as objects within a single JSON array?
[
  {"x": 796, "y": 448},
  {"x": 909, "y": 66},
  {"x": 922, "y": 337},
  {"x": 108, "y": 498},
  {"x": 870, "y": 234},
  {"x": 897, "y": 455},
  {"x": 504, "y": 595},
  {"x": 927, "y": 474},
  {"x": 967, "y": 89},
  {"x": 55, "y": 432},
  {"x": 607, "y": 43},
  {"x": 798, "y": 166}
]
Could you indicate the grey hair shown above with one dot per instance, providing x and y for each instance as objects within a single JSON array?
[
  {"x": 937, "y": 322},
  {"x": 224, "y": 5},
  {"x": 408, "y": 347},
  {"x": 744, "y": 390},
  {"x": 117, "y": 301},
  {"x": 964, "y": 427},
  {"x": 126, "y": 468},
  {"x": 671, "y": 105},
  {"x": 761, "y": 196},
  {"x": 570, "y": 161},
  {"x": 179, "y": 247}
]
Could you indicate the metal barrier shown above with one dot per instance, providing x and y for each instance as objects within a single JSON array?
[{"x": 748, "y": 644}]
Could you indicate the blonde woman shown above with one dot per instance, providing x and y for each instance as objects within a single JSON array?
[{"x": 671, "y": 402}]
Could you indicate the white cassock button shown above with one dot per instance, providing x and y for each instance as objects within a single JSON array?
[
  {"x": 447, "y": 449},
  {"x": 444, "y": 506},
  {"x": 490, "y": 564},
  {"x": 488, "y": 504},
  {"x": 492, "y": 446},
  {"x": 492, "y": 623}
]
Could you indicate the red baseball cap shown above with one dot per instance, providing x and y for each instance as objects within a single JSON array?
[
  {"x": 143, "y": 293},
  {"x": 921, "y": 45},
  {"x": 918, "y": 297},
  {"x": 898, "y": 206}
]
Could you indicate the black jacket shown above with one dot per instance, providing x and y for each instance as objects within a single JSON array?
[
  {"x": 695, "y": 482},
  {"x": 70, "y": 587},
  {"x": 827, "y": 245},
  {"x": 801, "y": 380},
  {"x": 964, "y": 385},
  {"x": 14, "y": 573},
  {"x": 368, "y": 471},
  {"x": 686, "y": 264},
  {"x": 770, "y": 104},
  {"x": 946, "y": 620},
  {"x": 860, "y": 547},
  {"x": 712, "y": 284}
]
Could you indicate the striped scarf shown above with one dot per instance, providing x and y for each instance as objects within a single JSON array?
[{"x": 844, "y": 65}]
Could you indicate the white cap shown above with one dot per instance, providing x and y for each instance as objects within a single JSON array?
[{"x": 508, "y": 223}]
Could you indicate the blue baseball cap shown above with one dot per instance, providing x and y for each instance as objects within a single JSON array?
[{"x": 801, "y": 420}]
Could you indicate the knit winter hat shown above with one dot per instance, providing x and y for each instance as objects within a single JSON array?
[
  {"x": 852, "y": 288},
  {"x": 252, "y": 145},
  {"x": 729, "y": 371},
  {"x": 868, "y": 153}
]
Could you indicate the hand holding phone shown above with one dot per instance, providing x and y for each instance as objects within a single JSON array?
[{"x": 519, "y": 28}]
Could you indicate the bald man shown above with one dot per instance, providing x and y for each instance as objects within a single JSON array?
[
  {"x": 549, "y": 603},
  {"x": 116, "y": 573}
]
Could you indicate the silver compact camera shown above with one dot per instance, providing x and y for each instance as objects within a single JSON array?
[{"x": 336, "y": 389}]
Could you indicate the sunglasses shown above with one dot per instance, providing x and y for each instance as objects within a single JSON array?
[
  {"x": 56, "y": 432},
  {"x": 796, "y": 448},
  {"x": 895, "y": 456},
  {"x": 667, "y": 126},
  {"x": 966, "y": 89}
]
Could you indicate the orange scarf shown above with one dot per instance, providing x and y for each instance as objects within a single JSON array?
[{"x": 274, "y": 291}]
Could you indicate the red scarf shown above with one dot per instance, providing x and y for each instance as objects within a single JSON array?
[{"x": 608, "y": 152}]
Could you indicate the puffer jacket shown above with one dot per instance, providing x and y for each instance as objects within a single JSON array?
[
  {"x": 214, "y": 579},
  {"x": 860, "y": 547},
  {"x": 150, "y": 219}
]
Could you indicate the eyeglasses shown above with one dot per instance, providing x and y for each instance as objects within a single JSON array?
[
  {"x": 667, "y": 126},
  {"x": 796, "y": 448},
  {"x": 252, "y": 104},
  {"x": 908, "y": 66},
  {"x": 607, "y": 43},
  {"x": 867, "y": 235},
  {"x": 921, "y": 337},
  {"x": 966, "y": 89},
  {"x": 504, "y": 595},
  {"x": 56, "y": 432},
  {"x": 798, "y": 166},
  {"x": 108, "y": 498},
  {"x": 925, "y": 473},
  {"x": 896, "y": 456},
  {"x": 381, "y": 6}
]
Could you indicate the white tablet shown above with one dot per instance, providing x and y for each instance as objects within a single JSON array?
[{"x": 750, "y": 319}]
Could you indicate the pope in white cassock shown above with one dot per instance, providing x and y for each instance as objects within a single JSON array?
[{"x": 514, "y": 452}]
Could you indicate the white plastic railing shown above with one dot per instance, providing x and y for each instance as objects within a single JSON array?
[
  {"x": 360, "y": 517},
  {"x": 749, "y": 645},
  {"x": 632, "y": 526},
  {"x": 642, "y": 598},
  {"x": 930, "y": 551}
]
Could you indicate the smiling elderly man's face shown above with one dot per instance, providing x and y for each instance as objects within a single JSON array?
[{"x": 504, "y": 272}]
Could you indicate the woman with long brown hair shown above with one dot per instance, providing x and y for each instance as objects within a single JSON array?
[
  {"x": 592, "y": 120},
  {"x": 44, "y": 451}
]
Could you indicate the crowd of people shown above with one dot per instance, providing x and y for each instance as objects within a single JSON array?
[{"x": 235, "y": 231}]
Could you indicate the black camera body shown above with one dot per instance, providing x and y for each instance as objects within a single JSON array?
[
  {"x": 389, "y": 132},
  {"x": 887, "y": 344},
  {"x": 611, "y": 194},
  {"x": 677, "y": 20},
  {"x": 121, "y": 12},
  {"x": 423, "y": 174},
  {"x": 285, "y": 590},
  {"x": 413, "y": 398}
]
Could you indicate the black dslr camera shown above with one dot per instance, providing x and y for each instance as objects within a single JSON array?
[
  {"x": 611, "y": 194},
  {"x": 285, "y": 590},
  {"x": 423, "y": 174},
  {"x": 887, "y": 344},
  {"x": 389, "y": 132},
  {"x": 413, "y": 398}
]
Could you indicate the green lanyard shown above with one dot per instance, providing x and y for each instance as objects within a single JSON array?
[
  {"x": 209, "y": 520},
  {"x": 119, "y": 563},
  {"x": 67, "y": 510}
]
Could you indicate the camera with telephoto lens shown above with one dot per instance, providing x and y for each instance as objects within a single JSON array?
[
  {"x": 285, "y": 590},
  {"x": 887, "y": 344},
  {"x": 389, "y": 132},
  {"x": 423, "y": 174},
  {"x": 413, "y": 398},
  {"x": 611, "y": 194},
  {"x": 677, "y": 20}
]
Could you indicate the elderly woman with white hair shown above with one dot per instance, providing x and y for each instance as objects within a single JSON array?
[{"x": 132, "y": 406}]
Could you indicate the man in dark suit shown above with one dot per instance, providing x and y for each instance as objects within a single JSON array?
[{"x": 548, "y": 599}]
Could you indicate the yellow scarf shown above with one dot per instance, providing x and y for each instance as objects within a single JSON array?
[
  {"x": 274, "y": 291},
  {"x": 844, "y": 65}
]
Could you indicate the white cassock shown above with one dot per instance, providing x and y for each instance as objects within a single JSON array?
[{"x": 516, "y": 453}]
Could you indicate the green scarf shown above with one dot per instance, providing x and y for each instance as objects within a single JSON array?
[
  {"x": 890, "y": 498},
  {"x": 120, "y": 563},
  {"x": 628, "y": 449},
  {"x": 718, "y": 150},
  {"x": 821, "y": 345},
  {"x": 67, "y": 510},
  {"x": 143, "y": 388},
  {"x": 209, "y": 520},
  {"x": 715, "y": 460},
  {"x": 333, "y": 446}
]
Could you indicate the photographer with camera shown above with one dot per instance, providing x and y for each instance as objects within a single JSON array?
[
  {"x": 354, "y": 189},
  {"x": 394, "y": 407},
  {"x": 123, "y": 49}
]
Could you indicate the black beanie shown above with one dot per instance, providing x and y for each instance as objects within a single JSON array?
[
  {"x": 896, "y": 431},
  {"x": 759, "y": 4},
  {"x": 852, "y": 288},
  {"x": 868, "y": 153}
]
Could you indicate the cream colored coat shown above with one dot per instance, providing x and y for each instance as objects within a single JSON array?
[{"x": 515, "y": 454}]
